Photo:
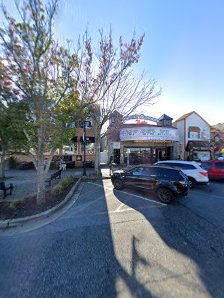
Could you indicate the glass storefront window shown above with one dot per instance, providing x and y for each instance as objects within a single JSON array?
[
  {"x": 146, "y": 155},
  {"x": 140, "y": 156},
  {"x": 89, "y": 146},
  {"x": 69, "y": 149}
]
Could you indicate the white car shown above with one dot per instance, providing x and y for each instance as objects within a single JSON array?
[{"x": 195, "y": 174}]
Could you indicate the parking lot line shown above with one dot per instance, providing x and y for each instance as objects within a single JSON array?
[
  {"x": 130, "y": 194},
  {"x": 133, "y": 209},
  {"x": 78, "y": 216},
  {"x": 210, "y": 194}
]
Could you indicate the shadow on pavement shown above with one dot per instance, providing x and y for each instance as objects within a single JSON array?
[
  {"x": 191, "y": 237},
  {"x": 78, "y": 255},
  {"x": 75, "y": 261}
]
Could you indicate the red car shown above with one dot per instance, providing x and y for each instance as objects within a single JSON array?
[{"x": 215, "y": 168}]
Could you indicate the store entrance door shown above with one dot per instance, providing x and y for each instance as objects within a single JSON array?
[
  {"x": 117, "y": 156},
  {"x": 161, "y": 154}
]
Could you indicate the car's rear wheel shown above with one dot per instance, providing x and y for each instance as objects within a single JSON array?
[
  {"x": 165, "y": 195},
  {"x": 191, "y": 182},
  {"x": 118, "y": 184}
]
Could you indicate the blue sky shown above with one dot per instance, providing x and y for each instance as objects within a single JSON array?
[{"x": 183, "y": 48}]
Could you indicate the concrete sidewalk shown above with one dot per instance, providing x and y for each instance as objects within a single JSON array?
[{"x": 24, "y": 181}]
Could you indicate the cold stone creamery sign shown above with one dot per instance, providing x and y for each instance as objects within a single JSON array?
[{"x": 149, "y": 134}]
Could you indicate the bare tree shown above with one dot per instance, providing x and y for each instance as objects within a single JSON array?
[
  {"x": 106, "y": 81},
  {"x": 44, "y": 75}
]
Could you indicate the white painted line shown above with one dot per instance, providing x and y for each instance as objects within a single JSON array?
[
  {"x": 140, "y": 197},
  {"x": 123, "y": 210},
  {"x": 121, "y": 205},
  {"x": 130, "y": 194},
  {"x": 131, "y": 209}
]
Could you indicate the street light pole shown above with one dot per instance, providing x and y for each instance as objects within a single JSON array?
[{"x": 84, "y": 142}]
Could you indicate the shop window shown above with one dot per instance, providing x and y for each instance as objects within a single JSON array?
[
  {"x": 89, "y": 146},
  {"x": 70, "y": 148}
]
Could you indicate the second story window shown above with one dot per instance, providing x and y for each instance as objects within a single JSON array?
[{"x": 194, "y": 133}]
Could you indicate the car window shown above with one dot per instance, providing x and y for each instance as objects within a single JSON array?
[
  {"x": 150, "y": 172},
  {"x": 170, "y": 174},
  {"x": 219, "y": 165},
  {"x": 184, "y": 166},
  {"x": 166, "y": 164},
  {"x": 136, "y": 171},
  {"x": 206, "y": 165}
]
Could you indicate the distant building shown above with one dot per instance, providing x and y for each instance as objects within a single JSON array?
[
  {"x": 194, "y": 133},
  {"x": 76, "y": 150},
  {"x": 73, "y": 152}
]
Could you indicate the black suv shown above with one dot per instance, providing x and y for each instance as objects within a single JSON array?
[{"x": 168, "y": 183}]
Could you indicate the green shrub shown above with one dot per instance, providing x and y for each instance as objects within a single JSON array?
[
  {"x": 17, "y": 204},
  {"x": 57, "y": 189},
  {"x": 61, "y": 186}
]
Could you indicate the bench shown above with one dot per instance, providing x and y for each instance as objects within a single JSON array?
[
  {"x": 7, "y": 190},
  {"x": 54, "y": 176}
]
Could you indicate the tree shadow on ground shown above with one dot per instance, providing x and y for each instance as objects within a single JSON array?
[
  {"x": 192, "y": 237},
  {"x": 73, "y": 256}
]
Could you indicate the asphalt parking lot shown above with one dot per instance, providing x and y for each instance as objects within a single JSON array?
[{"x": 121, "y": 244}]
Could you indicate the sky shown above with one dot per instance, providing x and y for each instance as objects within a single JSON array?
[{"x": 183, "y": 48}]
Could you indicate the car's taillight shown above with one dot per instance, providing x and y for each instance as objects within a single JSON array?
[{"x": 205, "y": 174}]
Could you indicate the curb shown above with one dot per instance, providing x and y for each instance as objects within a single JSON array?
[
  {"x": 8, "y": 223},
  {"x": 85, "y": 178}
]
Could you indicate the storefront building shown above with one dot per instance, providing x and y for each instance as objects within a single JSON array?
[
  {"x": 195, "y": 136},
  {"x": 143, "y": 143},
  {"x": 76, "y": 152}
]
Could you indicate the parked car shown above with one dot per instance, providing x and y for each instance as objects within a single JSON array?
[
  {"x": 68, "y": 160},
  {"x": 195, "y": 173},
  {"x": 215, "y": 168},
  {"x": 167, "y": 183}
]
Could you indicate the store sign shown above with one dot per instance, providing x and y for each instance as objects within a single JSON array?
[
  {"x": 149, "y": 134},
  {"x": 116, "y": 145}
]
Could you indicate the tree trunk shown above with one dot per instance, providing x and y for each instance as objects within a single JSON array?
[
  {"x": 41, "y": 176},
  {"x": 97, "y": 152},
  {"x": 2, "y": 164}
]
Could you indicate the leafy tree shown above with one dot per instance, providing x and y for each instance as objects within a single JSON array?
[
  {"x": 44, "y": 76},
  {"x": 106, "y": 79},
  {"x": 12, "y": 138},
  {"x": 11, "y": 118}
]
